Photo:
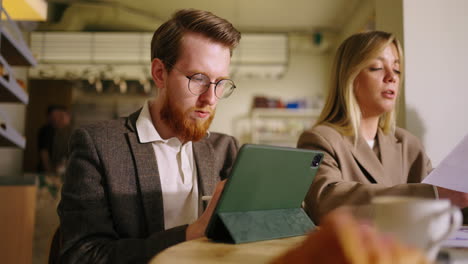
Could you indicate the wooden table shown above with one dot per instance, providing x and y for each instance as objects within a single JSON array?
[{"x": 204, "y": 250}]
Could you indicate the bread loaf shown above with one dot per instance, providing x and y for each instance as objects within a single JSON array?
[{"x": 342, "y": 240}]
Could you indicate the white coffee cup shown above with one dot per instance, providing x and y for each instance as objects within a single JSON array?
[{"x": 423, "y": 223}]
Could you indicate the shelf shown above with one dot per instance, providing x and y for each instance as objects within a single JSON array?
[
  {"x": 13, "y": 51},
  {"x": 10, "y": 138},
  {"x": 284, "y": 112},
  {"x": 10, "y": 91},
  {"x": 13, "y": 47},
  {"x": 280, "y": 126}
]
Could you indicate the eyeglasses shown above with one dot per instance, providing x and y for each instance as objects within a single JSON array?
[{"x": 199, "y": 83}]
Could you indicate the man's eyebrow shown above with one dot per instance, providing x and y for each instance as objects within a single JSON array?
[{"x": 204, "y": 73}]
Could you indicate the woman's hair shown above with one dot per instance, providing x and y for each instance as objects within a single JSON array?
[
  {"x": 341, "y": 109},
  {"x": 166, "y": 41}
]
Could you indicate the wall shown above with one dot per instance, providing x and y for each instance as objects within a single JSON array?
[
  {"x": 389, "y": 17},
  {"x": 361, "y": 19},
  {"x": 306, "y": 77},
  {"x": 436, "y": 41}
]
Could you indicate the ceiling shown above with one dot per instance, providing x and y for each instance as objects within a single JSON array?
[{"x": 246, "y": 15}]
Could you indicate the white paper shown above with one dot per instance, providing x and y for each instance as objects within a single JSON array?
[
  {"x": 459, "y": 239},
  {"x": 452, "y": 172}
]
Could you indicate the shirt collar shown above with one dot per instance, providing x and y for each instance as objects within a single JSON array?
[{"x": 145, "y": 128}]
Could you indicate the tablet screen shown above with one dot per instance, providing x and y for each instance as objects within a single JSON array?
[{"x": 267, "y": 178}]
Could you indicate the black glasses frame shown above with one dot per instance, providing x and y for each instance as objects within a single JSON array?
[{"x": 190, "y": 77}]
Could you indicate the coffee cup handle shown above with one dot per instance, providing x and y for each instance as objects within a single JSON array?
[{"x": 456, "y": 220}]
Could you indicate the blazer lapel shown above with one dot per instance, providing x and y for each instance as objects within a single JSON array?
[
  {"x": 368, "y": 161},
  {"x": 205, "y": 159},
  {"x": 390, "y": 152},
  {"x": 148, "y": 178}
]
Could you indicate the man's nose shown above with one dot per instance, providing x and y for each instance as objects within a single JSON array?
[{"x": 209, "y": 97}]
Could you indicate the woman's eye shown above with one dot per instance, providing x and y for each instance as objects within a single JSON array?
[
  {"x": 374, "y": 68},
  {"x": 397, "y": 71}
]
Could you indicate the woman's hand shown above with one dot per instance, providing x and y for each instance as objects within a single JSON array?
[{"x": 459, "y": 199}]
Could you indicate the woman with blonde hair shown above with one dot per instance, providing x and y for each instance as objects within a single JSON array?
[{"x": 366, "y": 154}]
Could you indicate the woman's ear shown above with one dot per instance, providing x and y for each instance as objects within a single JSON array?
[{"x": 158, "y": 72}]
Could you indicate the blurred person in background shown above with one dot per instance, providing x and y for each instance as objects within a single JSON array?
[{"x": 53, "y": 146}]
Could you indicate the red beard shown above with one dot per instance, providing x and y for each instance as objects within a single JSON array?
[{"x": 185, "y": 127}]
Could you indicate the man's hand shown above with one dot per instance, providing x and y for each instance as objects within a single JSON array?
[
  {"x": 459, "y": 199},
  {"x": 197, "y": 229}
]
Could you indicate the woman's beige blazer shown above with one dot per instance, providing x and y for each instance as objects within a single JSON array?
[{"x": 352, "y": 175}]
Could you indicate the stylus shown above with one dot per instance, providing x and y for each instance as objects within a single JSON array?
[{"x": 206, "y": 198}]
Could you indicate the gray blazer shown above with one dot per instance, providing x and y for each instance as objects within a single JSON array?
[
  {"x": 111, "y": 209},
  {"x": 352, "y": 175}
]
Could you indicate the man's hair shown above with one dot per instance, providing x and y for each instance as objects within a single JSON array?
[
  {"x": 54, "y": 107},
  {"x": 341, "y": 109},
  {"x": 166, "y": 41}
]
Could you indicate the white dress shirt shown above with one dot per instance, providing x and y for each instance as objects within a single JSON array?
[{"x": 177, "y": 172}]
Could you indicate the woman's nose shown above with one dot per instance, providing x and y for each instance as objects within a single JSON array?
[{"x": 390, "y": 76}]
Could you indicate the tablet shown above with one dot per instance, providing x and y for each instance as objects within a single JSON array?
[{"x": 263, "y": 195}]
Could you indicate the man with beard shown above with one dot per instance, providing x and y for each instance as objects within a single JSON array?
[{"x": 133, "y": 186}]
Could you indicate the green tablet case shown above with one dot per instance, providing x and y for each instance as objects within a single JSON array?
[{"x": 263, "y": 195}]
